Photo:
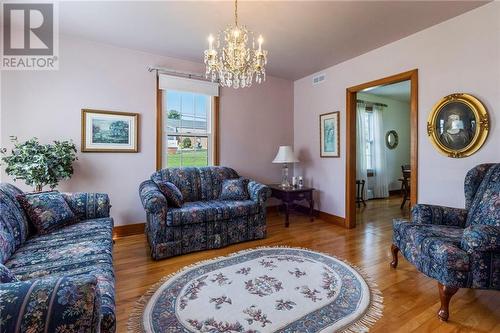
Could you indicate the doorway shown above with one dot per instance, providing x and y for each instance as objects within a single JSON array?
[{"x": 352, "y": 190}]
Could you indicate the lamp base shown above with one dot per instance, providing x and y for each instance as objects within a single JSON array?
[{"x": 284, "y": 176}]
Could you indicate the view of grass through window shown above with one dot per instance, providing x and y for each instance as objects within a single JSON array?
[{"x": 187, "y": 129}]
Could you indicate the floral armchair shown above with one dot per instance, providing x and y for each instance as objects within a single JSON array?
[{"x": 460, "y": 248}]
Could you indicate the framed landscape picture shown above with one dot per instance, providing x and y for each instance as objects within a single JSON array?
[
  {"x": 109, "y": 131},
  {"x": 329, "y": 134}
]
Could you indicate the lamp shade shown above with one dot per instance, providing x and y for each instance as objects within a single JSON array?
[{"x": 285, "y": 155}]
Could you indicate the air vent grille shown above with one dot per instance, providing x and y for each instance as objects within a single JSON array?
[{"x": 320, "y": 78}]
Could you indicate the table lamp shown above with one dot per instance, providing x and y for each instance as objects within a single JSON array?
[{"x": 285, "y": 155}]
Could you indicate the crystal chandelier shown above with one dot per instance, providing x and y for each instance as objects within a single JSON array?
[{"x": 231, "y": 61}]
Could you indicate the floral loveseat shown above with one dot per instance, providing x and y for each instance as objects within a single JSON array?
[
  {"x": 460, "y": 248},
  {"x": 65, "y": 278},
  {"x": 203, "y": 221}
]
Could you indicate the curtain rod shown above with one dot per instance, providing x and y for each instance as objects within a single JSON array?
[
  {"x": 371, "y": 103},
  {"x": 174, "y": 72}
]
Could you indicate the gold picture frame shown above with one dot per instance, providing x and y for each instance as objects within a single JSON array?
[
  {"x": 458, "y": 125},
  {"x": 329, "y": 134},
  {"x": 109, "y": 131}
]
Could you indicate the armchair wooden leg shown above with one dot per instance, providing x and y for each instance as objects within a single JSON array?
[
  {"x": 394, "y": 251},
  {"x": 445, "y": 294}
]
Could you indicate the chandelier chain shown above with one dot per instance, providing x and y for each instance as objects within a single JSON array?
[{"x": 236, "y": 12}]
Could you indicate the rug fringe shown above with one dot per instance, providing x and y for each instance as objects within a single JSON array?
[{"x": 362, "y": 324}]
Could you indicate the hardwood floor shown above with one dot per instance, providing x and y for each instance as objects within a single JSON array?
[{"x": 411, "y": 299}]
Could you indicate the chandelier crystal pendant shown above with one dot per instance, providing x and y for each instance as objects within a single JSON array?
[{"x": 231, "y": 61}]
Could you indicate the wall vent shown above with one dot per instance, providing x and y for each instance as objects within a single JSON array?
[{"x": 318, "y": 79}]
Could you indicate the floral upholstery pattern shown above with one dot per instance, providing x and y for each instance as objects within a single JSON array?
[
  {"x": 69, "y": 302},
  {"x": 12, "y": 216},
  {"x": 258, "y": 192},
  {"x": 7, "y": 245},
  {"x": 203, "y": 221},
  {"x": 234, "y": 189},
  {"x": 439, "y": 215},
  {"x": 6, "y": 275},
  {"x": 485, "y": 208},
  {"x": 47, "y": 211},
  {"x": 458, "y": 247},
  {"x": 481, "y": 238},
  {"x": 172, "y": 193},
  {"x": 88, "y": 205},
  {"x": 152, "y": 199},
  {"x": 65, "y": 275}
]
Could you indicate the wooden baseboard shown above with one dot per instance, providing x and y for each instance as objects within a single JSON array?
[
  {"x": 337, "y": 220},
  {"x": 128, "y": 230}
]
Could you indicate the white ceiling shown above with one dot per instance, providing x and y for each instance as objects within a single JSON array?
[
  {"x": 398, "y": 91},
  {"x": 302, "y": 37}
]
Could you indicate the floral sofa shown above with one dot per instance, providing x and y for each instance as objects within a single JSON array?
[
  {"x": 203, "y": 221},
  {"x": 63, "y": 280},
  {"x": 460, "y": 248}
]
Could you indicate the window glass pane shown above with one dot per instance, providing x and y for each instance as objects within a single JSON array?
[
  {"x": 187, "y": 151},
  {"x": 187, "y": 129}
]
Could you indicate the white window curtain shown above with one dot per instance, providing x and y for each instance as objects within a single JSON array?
[
  {"x": 381, "y": 184},
  {"x": 177, "y": 83},
  {"x": 361, "y": 172}
]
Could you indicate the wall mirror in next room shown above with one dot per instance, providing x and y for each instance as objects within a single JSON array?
[
  {"x": 391, "y": 139},
  {"x": 381, "y": 147}
]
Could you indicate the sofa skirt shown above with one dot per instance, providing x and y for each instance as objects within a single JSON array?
[{"x": 168, "y": 241}]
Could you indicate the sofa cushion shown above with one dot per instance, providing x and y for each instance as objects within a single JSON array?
[
  {"x": 212, "y": 179},
  {"x": 6, "y": 275},
  {"x": 85, "y": 248},
  {"x": 88, "y": 205},
  {"x": 47, "y": 211},
  {"x": 234, "y": 189},
  {"x": 7, "y": 244},
  {"x": 187, "y": 181},
  {"x": 171, "y": 192},
  {"x": 12, "y": 215},
  {"x": 213, "y": 210},
  {"x": 437, "y": 245},
  {"x": 485, "y": 208}
]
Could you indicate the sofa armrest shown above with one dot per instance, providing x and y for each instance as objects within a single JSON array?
[
  {"x": 88, "y": 205},
  {"x": 152, "y": 199},
  {"x": 481, "y": 238},
  {"x": 51, "y": 305},
  {"x": 430, "y": 214},
  {"x": 258, "y": 192}
]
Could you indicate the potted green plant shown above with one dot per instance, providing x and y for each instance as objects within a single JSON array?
[{"x": 40, "y": 164}]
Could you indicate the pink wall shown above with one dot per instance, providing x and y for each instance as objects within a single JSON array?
[
  {"x": 255, "y": 122},
  {"x": 93, "y": 75},
  {"x": 459, "y": 55}
]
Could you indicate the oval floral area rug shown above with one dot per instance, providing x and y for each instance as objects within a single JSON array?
[{"x": 261, "y": 290}]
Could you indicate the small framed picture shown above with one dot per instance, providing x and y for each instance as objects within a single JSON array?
[
  {"x": 109, "y": 131},
  {"x": 329, "y": 134}
]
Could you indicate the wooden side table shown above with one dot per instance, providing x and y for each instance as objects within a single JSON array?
[{"x": 291, "y": 194}]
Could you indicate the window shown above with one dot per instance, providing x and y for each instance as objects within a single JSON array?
[
  {"x": 187, "y": 122},
  {"x": 369, "y": 135},
  {"x": 187, "y": 130}
]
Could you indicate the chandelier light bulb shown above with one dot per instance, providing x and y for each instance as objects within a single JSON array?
[{"x": 210, "y": 42}]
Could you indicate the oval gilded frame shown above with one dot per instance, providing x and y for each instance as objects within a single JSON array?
[
  {"x": 481, "y": 131},
  {"x": 396, "y": 139}
]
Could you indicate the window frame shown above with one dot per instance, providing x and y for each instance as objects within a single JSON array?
[{"x": 161, "y": 134}]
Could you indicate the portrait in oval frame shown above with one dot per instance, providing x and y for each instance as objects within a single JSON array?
[{"x": 458, "y": 125}]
